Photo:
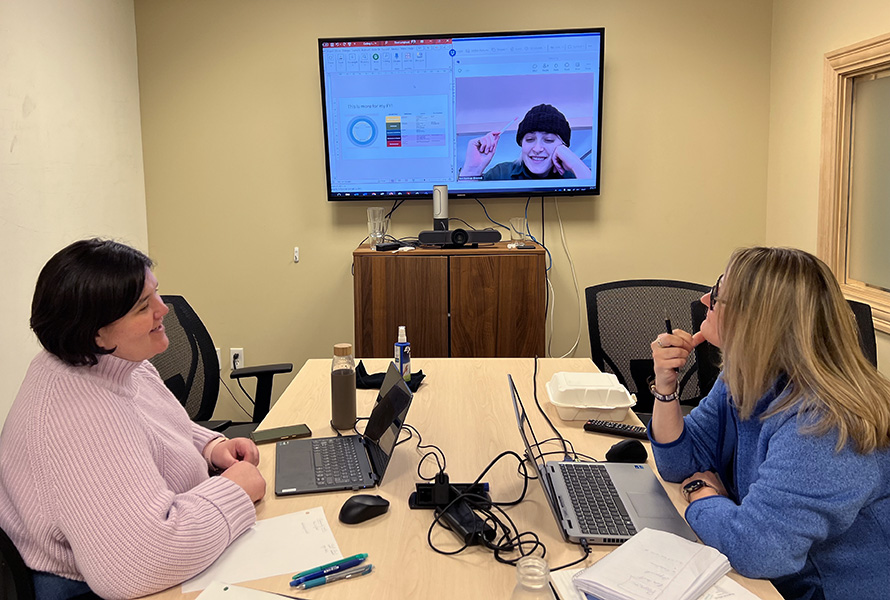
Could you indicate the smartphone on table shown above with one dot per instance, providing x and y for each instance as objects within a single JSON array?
[{"x": 277, "y": 434}]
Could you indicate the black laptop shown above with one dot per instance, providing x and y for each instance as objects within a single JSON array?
[{"x": 349, "y": 462}]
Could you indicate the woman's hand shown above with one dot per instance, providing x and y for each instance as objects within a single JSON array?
[
  {"x": 710, "y": 478},
  {"x": 566, "y": 160},
  {"x": 228, "y": 452},
  {"x": 669, "y": 353},
  {"x": 247, "y": 476},
  {"x": 479, "y": 154}
]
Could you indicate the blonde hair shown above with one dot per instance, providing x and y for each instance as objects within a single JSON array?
[{"x": 784, "y": 314}]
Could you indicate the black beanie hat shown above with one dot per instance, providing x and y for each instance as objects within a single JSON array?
[{"x": 544, "y": 117}]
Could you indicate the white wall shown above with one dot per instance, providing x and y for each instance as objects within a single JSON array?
[
  {"x": 803, "y": 31},
  {"x": 70, "y": 149}
]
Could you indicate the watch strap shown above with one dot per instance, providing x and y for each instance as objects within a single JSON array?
[{"x": 695, "y": 485}]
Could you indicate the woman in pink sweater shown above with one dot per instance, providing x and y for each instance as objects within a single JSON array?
[{"x": 105, "y": 483}]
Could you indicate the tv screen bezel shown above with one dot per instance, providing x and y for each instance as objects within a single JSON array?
[{"x": 512, "y": 193}]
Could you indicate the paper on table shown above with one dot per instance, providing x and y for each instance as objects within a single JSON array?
[
  {"x": 654, "y": 564},
  {"x": 725, "y": 589},
  {"x": 285, "y": 544},
  {"x": 218, "y": 590}
]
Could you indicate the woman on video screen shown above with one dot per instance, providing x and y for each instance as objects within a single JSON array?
[{"x": 543, "y": 136}]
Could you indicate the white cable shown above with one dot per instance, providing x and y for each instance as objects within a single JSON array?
[{"x": 562, "y": 235}]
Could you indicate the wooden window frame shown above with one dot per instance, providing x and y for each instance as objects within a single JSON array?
[{"x": 840, "y": 68}]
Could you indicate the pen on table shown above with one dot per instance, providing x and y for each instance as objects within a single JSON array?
[
  {"x": 347, "y": 574},
  {"x": 670, "y": 330},
  {"x": 361, "y": 556},
  {"x": 330, "y": 570}
]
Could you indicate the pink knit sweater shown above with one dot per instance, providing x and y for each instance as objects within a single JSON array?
[{"x": 102, "y": 479}]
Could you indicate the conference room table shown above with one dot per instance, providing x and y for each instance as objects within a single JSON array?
[{"x": 463, "y": 406}]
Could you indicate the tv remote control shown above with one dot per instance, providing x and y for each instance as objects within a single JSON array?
[{"x": 612, "y": 428}]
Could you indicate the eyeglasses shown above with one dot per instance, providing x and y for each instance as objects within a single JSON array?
[{"x": 713, "y": 294}]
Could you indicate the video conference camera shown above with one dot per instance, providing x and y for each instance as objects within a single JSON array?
[{"x": 457, "y": 238}]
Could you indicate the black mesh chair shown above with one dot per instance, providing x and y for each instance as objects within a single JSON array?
[
  {"x": 866, "y": 325},
  {"x": 623, "y": 317},
  {"x": 190, "y": 369},
  {"x": 16, "y": 580}
]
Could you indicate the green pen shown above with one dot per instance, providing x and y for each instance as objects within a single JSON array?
[{"x": 362, "y": 556}]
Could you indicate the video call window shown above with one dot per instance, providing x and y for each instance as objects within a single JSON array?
[{"x": 404, "y": 114}]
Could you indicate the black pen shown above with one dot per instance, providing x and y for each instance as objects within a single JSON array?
[{"x": 669, "y": 330}]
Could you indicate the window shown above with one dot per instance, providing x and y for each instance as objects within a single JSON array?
[{"x": 854, "y": 194}]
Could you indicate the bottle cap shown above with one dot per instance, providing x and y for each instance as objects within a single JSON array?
[
  {"x": 342, "y": 349},
  {"x": 402, "y": 335}
]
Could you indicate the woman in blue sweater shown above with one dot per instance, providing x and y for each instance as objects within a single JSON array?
[{"x": 786, "y": 462}]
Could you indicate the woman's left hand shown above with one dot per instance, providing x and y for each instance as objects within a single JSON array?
[
  {"x": 566, "y": 160},
  {"x": 228, "y": 452},
  {"x": 710, "y": 478}
]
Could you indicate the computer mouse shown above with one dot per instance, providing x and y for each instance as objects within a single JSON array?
[
  {"x": 361, "y": 507},
  {"x": 627, "y": 451}
]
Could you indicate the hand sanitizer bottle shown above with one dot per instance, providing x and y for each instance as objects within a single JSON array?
[{"x": 403, "y": 354}]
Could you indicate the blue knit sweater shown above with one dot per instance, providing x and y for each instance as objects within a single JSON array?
[{"x": 814, "y": 521}]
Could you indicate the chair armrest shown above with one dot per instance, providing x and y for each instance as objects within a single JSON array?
[
  {"x": 263, "y": 374},
  {"x": 261, "y": 370}
]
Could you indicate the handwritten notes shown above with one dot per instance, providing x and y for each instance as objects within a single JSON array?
[
  {"x": 654, "y": 565},
  {"x": 285, "y": 544}
]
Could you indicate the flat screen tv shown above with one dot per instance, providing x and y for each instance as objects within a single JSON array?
[{"x": 491, "y": 114}]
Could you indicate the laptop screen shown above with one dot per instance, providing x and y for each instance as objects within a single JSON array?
[{"x": 386, "y": 420}]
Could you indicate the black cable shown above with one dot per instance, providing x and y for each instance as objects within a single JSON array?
[
  {"x": 462, "y": 221},
  {"x": 245, "y": 392},
  {"x": 586, "y": 547},
  {"x": 435, "y": 454},
  {"x": 395, "y": 205},
  {"x": 233, "y": 396}
]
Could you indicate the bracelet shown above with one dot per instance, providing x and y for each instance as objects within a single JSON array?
[{"x": 661, "y": 397}]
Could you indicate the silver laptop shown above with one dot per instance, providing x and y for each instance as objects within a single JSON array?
[
  {"x": 349, "y": 462},
  {"x": 603, "y": 503}
]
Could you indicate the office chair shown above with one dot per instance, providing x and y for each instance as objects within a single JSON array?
[
  {"x": 16, "y": 581},
  {"x": 623, "y": 317},
  {"x": 866, "y": 325},
  {"x": 190, "y": 369}
]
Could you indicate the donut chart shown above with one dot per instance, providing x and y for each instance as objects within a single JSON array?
[{"x": 361, "y": 131}]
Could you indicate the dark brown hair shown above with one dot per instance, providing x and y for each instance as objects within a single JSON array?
[{"x": 81, "y": 289}]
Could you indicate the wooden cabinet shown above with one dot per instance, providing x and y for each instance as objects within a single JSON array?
[{"x": 460, "y": 302}]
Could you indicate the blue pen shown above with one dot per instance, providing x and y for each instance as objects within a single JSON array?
[
  {"x": 342, "y": 566},
  {"x": 362, "y": 556},
  {"x": 347, "y": 574}
]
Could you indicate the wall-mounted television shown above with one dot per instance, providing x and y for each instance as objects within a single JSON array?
[{"x": 490, "y": 114}]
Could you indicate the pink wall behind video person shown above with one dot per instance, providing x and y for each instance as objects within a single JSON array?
[{"x": 486, "y": 104}]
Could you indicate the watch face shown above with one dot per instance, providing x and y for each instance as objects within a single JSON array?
[{"x": 693, "y": 486}]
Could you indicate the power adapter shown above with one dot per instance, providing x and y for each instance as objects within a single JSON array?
[{"x": 469, "y": 527}]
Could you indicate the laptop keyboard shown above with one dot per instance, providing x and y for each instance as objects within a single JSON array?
[
  {"x": 596, "y": 502},
  {"x": 335, "y": 461}
]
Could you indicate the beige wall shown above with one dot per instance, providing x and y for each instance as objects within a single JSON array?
[
  {"x": 803, "y": 31},
  {"x": 70, "y": 149},
  {"x": 234, "y": 170}
]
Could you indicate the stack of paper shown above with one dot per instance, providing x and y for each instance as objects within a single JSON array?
[{"x": 654, "y": 565}]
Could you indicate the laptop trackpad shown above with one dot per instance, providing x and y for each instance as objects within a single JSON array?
[{"x": 650, "y": 506}]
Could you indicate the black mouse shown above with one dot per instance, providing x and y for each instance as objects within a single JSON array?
[
  {"x": 361, "y": 507},
  {"x": 627, "y": 451}
]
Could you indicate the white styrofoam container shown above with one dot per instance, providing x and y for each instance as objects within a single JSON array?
[{"x": 583, "y": 396}]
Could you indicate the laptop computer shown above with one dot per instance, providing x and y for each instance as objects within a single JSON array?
[
  {"x": 603, "y": 503},
  {"x": 349, "y": 462}
]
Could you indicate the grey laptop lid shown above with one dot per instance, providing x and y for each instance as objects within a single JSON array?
[
  {"x": 297, "y": 470},
  {"x": 643, "y": 496}
]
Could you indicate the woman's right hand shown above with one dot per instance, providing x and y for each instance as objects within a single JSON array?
[
  {"x": 669, "y": 353},
  {"x": 248, "y": 477},
  {"x": 480, "y": 151}
]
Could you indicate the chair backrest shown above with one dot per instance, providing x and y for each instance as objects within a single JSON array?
[
  {"x": 189, "y": 366},
  {"x": 16, "y": 579},
  {"x": 866, "y": 324},
  {"x": 623, "y": 317}
]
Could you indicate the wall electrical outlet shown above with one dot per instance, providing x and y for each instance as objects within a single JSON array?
[
  {"x": 236, "y": 358},
  {"x": 219, "y": 359},
  {"x": 296, "y": 254}
]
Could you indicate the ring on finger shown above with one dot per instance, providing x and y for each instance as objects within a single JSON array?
[{"x": 660, "y": 345}]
